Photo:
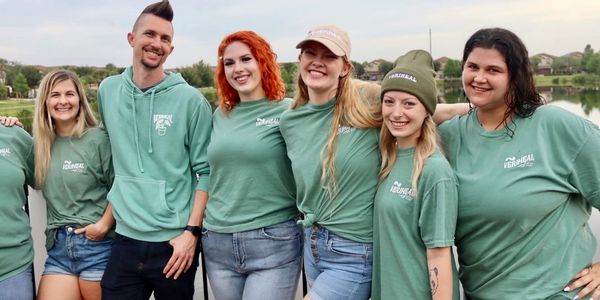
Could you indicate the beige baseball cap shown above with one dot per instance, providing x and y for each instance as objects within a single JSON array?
[{"x": 331, "y": 36}]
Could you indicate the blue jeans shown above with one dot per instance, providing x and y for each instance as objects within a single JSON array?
[
  {"x": 257, "y": 264},
  {"x": 18, "y": 287},
  {"x": 74, "y": 254},
  {"x": 336, "y": 268},
  {"x": 135, "y": 270}
]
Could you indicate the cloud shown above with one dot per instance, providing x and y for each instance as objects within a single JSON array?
[{"x": 58, "y": 32}]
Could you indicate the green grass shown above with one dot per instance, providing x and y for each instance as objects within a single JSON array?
[
  {"x": 13, "y": 107},
  {"x": 554, "y": 80}
]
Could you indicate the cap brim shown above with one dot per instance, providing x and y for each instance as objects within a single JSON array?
[{"x": 333, "y": 47}]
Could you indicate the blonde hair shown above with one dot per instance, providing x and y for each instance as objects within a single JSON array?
[
  {"x": 368, "y": 90},
  {"x": 350, "y": 110},
  {"x": 43, "y": 127},
  {"x": 427, "y": 144}
]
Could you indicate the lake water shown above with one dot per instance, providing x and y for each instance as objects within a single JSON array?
[{"x": 582, "y": 102}]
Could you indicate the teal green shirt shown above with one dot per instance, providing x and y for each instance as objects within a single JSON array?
[
  {"x": 78, "y": 180},
  {"x": 16, "y": 169},
  {"x": 251, "y": 182},
  {"x": 357, "y": 159},
  {"x": 158, "y": 140},
  {"x": 407, "y": 223},
  {"x": 524, "y": 202}
]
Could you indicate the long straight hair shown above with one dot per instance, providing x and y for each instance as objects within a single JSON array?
[
  {"x": 350, "y": 110},
  {"x": 427, "y": 144},
  {"x": 43, "y": 126}
]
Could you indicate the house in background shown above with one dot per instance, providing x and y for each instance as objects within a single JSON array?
[
  {"x": 441, "y": 63},
  {"x": 542, "y": 63},
  {"x": 372, "y": 70}
]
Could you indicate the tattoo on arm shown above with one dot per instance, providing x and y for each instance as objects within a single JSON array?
[{"x": 433, "y": 280}]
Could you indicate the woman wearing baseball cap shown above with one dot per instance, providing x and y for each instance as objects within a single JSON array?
[
  {"x": 416, "y": 203},
  {"x": 331, "y": 134}
]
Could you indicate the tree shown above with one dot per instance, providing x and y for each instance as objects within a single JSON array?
[
  {"x": 20, "y": 85},
  {"x": 593, "y": 64},
  {"x": 359, "y": 70},
  {"x": 564, "y": 65},
  {"x": 588, "y": 52},
  {"x": 26, "y": 118},
  {"x": 385, "y": 66},
  {"x": 199, "y": 74},
  {"x": 32, "y": 74},
  {"x": 3, "y": 92},
  {"x": 452, "y": 69},
  {"x": 288, "y": 72}
]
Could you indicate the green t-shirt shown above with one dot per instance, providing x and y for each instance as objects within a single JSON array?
[
  {"x": 407, "y": 223},
  {"x": 524, "y": 202},
  {"x": 78, "y": 180},
  {"x": 357, "y": 160},
  {"x": 16, "y": 169},
  {"x": 251, "y": 182}
]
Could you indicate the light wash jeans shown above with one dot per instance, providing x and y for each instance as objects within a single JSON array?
[
  {"x": 257, "y": 264},
  {"x": 336, "y": 268},
  {"x": 18, "y": 287}
]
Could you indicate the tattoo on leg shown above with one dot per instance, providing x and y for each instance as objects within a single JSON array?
[{"x": 433, "y": 280}]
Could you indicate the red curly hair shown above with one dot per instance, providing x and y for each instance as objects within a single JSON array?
[{"x": 271, "y": 81}]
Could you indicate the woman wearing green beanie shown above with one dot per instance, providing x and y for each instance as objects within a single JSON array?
[{"x": 416, "y": 202}]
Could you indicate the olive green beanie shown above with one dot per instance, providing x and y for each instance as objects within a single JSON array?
[{"x": 413, "y": 73}]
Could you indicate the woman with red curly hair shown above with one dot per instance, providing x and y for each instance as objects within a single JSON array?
[{"x": 250, "y": 240}]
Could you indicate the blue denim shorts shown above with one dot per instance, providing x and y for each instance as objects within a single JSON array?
[
  {"x": 74, "y": 254},
  {"x": 336, "y": 268}
]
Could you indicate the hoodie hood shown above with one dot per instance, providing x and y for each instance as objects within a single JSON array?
[{"x": 136, "y": 94}]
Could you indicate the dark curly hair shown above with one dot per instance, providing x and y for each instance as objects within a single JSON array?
[{"x": 522, "y": 99}]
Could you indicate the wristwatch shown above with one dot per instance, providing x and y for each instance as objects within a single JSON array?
[{"x": 195, "y": 230}]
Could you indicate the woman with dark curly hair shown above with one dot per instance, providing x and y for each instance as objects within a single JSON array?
[
  {"x": 251, "y": 242},
  {"x": 529, "y": 175}
]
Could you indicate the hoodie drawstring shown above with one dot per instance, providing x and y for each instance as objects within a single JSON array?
[
  {"x": 150, "y": 120},
  {"x": 135, "y": 131}
]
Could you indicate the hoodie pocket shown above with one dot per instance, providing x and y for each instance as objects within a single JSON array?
[{"x": 140, "y": 203}]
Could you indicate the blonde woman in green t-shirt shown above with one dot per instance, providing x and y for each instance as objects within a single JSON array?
[
  {"x": 416, "y": 202},
  {"x": 73, "y": 167}
]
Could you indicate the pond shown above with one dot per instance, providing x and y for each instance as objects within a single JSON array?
[{"x": 580, "y": 101}]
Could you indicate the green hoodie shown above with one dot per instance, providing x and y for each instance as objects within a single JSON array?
[{"x": 158, "y": 140}]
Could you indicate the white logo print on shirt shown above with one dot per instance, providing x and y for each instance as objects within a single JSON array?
[
  {"x": 5, "y": 152},
  {"x": 345, "y": 129},
  {"x": 161, "y": 123},
  {"x": 273, "y": 122},
  {"x": 404, "y": 192},
  {"x": 521, "y": 162},
  {"x": 73, "y": 167}
]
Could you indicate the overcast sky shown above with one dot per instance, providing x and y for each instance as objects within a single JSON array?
[{"x": 86, "y": 32}]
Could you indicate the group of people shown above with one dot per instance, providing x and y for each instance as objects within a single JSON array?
[{"x": 352, "y": 185}]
